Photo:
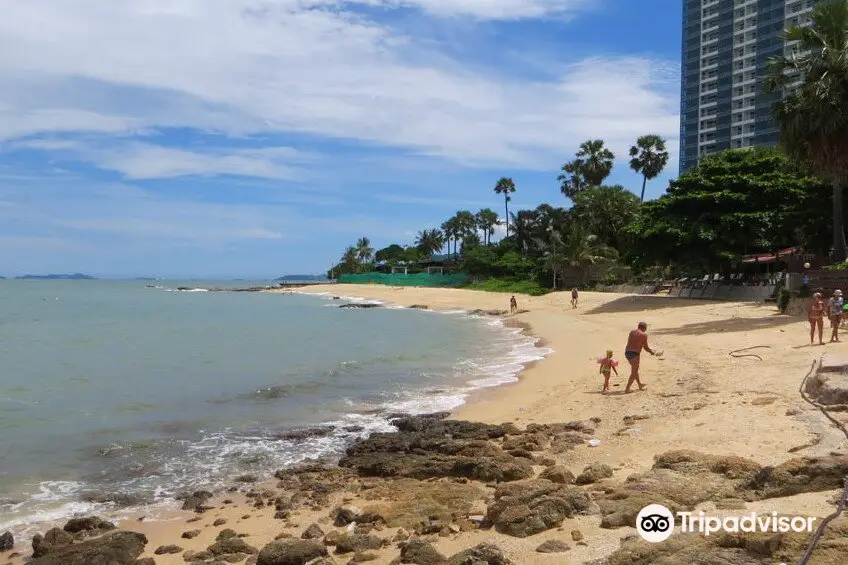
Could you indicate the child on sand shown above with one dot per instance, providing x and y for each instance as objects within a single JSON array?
[{"x": 608, "y": 366}]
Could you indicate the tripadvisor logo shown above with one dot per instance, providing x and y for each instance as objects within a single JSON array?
[{"x": 655, "y": 523}]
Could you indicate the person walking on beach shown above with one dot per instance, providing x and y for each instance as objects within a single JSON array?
[
  {"x": 815, "y": 313},
  {"x": 513, "y": 305},
  {"x": 574, "y": 297},
  {"x": 835, "y": 308},
  {"x": 608, "y": 366},
  {"x": 637, "y": 340}
]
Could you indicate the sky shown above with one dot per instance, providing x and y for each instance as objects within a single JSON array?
[{"x": 255, "y": 138}]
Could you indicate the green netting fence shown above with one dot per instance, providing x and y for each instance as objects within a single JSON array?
[{"x": 400, "y": 279}]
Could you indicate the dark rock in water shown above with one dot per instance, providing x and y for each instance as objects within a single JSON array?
[
  {"x": 421, "y": 553},
  {"x": 483, "y": 554},
  {"x": 183, "y": 288},
  {"x": 167, "y": 550},
  {"x": 488, "y": 312},
  {"x": 121, "y": 500},
  {"x": 89, "y": 524},
  {"x": 361, "y": 305},
  {"x": 553, "y": 546},
  {"x": 354, "y": 429},
  {"x": 196, "y": 500},
  {"x": 291, "y": 552},
  {"x": 531, "y": 507},
  {"x": 247, "y": 478},
  {"x": 7, "y": 541},
  {"x": 118, "y": 548},
  {"x": 594, "y": 473},
  {"x": 351, "y": 543},
  {"x": 300, "y": 435},
  {"x": 337, "y": 298}
]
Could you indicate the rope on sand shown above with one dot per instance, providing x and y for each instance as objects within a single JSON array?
[
  {"x": 840, "y": 507},
  {"x": 749, "y": 354}
]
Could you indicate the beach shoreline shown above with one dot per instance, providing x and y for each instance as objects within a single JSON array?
[{"x": 696, "y": 383}]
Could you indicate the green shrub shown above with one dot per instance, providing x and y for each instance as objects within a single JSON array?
[{"x": 509, "y": 286}]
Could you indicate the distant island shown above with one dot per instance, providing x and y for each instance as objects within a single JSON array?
[
  {"x": 74, "y": 277},
  {"x": 302, "y": 278}
]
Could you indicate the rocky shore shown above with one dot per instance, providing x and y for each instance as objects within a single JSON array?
[{"x": 393, "y": 496}]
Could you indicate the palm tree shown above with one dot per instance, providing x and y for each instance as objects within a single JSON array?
[
  {"x": 582, "y": 250},
  {"x": 812, "y": 115},
  {"x": 649, "y": 158},
  {"x": 466, "y": 224},
  {"x": 429, "y": 241},
  {"x": 506, "y": 187},
  {"x": 350, "y": 259},
  {"x": 450, "y": 229},
  {"x": 592, "y": 165},
  {"x": 487, "y": 219},
  {"x": 523, "y": 224},
  {"x": 364, "y": 251}
]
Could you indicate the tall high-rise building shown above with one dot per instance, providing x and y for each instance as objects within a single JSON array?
[{"x": 726, "y": 48}]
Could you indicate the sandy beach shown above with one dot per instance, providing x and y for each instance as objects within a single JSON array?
[{"x": 698, "y": 398}]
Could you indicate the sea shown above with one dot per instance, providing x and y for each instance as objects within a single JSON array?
[{"x": 135, "y": 391}]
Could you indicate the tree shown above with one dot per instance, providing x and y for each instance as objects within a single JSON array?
[
  {"x": 649, "y": 158},
  {"x": 593, "y": 163},
  {"x": 429, "y": 241},
  {"x": 582, "y": 250},
  {"x": 554, "y": 257},
  {"x": 466, "y": 224},
  {"x": 487, "y": 219},
  {"x": 737, "y": 202},
  {"x": 350, "y": 260},
  {"x": 451, "y": 232},
  {"x": 391, "y": 254},
  {"x": 523, "y": 224},
  {"x": 812, "y": 116},
  {"x": 506, "y": 187},
  {"x": 606, "y": 211},
  {"x": 364, "y": 251}
]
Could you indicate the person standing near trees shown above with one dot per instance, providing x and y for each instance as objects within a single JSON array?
[
  {"x": 815, "y": 313},
  {"x": 574, "y": 296},
  {"x": 835, "y": 305}
]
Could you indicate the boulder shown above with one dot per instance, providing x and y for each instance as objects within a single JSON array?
[
  {"x": 53, "y": 538},
  {"x": 482, "y": 554},
  {"x": 421, "y": 552},
  {"x": 345, "y": 515},
  {"x": 226, "y": 534},
  {"x": 117, "y": 548},
  {"x": 553, "y": 546},
  {"x": 89, "y": 524},
  {"x": 231, "y": 545},
  {"x": 351, "y": 543},
  {"x": 167, "y": 549},
  {"x": 594, "y": 473},
  {"x": 196, "y": 500},
  {"x": 314, "y": 531},
  {"x": 796, "y": 476},
  {"x": 7, "y": 541},
  {"x": 291, "y": 552},
  {"x": 558, "y": 474},
  {"x": 530, "y": 507}
]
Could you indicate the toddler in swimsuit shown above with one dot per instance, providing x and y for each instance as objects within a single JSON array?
[{"x": 608, "y": 366}]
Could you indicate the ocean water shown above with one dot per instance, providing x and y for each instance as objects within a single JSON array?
[{"x": 113, "y": 387}]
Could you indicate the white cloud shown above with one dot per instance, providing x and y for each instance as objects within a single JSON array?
[
  {"x": 146, "y": 161},
  {"x": 312, "y": 66}
]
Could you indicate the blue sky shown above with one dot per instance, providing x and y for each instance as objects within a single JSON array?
[{"x": 253, "y": 138}]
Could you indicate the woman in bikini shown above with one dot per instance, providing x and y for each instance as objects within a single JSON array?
[{"x": 815, "y": 313}]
